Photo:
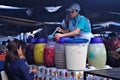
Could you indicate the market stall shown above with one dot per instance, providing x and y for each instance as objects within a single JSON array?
[
  {"x": 54, "y": 60},
  {"x": 57, "y": 60}
]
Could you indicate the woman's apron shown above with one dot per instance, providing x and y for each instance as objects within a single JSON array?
[{"x": 84, "y": 35}]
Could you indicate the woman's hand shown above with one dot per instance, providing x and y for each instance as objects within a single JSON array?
[
  {"x": 57, "y": 36},
  {"x": 35, "y": 70},
  {"x": 115, "y": 55},
  {"x": 60, "y": 30}
]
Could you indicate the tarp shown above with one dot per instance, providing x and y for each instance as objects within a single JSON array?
[{"x": 96, "y": 10}]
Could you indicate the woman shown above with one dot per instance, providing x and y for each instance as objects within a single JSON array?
[
  {"x": 15, "y": 64},
  {"x": 78, "y": 26}
]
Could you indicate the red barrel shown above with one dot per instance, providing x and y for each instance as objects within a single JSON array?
[{"x": 49, "y": 53}]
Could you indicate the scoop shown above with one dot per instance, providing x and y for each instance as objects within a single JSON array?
[{"x": 52, "y": 35}]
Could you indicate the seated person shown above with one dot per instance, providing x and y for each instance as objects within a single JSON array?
[
  {"x": 15, "y": 64},
  {"x": 113, "y": 48}
]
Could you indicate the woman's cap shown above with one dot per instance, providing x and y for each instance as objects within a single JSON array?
[{"x": 73, "y": 7}]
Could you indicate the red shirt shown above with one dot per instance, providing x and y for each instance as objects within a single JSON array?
[
  {"x": 112, "y": 45},
  {"x": 117, "y": 43}
]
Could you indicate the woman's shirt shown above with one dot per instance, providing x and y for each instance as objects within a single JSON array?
[
  {"x": 81, "y": 22},
  {"x": 18, "y": 70},
  {"x": 78, "y": 22}
]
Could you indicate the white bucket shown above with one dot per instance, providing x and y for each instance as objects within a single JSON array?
[{"x": 76, "y": 55}]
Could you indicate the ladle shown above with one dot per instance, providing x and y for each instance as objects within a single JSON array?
[{"x": 52, "y": 35}]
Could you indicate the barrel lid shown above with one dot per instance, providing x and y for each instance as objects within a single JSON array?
[
  {"x": 96, "y": 40},
  {"x": 74, "y": 40},
  {"x": 31, "y": 40},
  {"x": 41, "y": 40},
  {"x": 51, "y": 42},
  {"x": 62, "y": 39}
]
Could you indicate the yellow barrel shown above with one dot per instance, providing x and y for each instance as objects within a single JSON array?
[{"x": 39, "y": 53}]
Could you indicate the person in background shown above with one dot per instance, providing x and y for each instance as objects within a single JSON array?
[
  {"x": 15, "y": 65},
  {"x": 75, "y": 25},
  {"x": 3, "y": 47},
  {"x": 8, "y": 42},
  {"x": 113, "y": 50}
]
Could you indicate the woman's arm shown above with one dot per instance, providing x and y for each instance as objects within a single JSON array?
[
  {"x": 72, "y": 33},
  {"x": 25, "y": 72},
  {"x": 61, "y": 30}
]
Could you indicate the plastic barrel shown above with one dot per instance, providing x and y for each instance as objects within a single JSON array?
[
  {"x": 29, "y": 53},
  {"x": 97, "y": 53},
  {"x": 49, "y": 53},
  {"x": 76, "y": 53},
  {"x": 60, "y": 56},
  {"x": 39, "y": 51}
]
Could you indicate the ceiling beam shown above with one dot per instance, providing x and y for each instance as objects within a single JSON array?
[{"x": 18, "y": 21}]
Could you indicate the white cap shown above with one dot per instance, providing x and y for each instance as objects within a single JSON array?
[{"x": 73, "y": 7}]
